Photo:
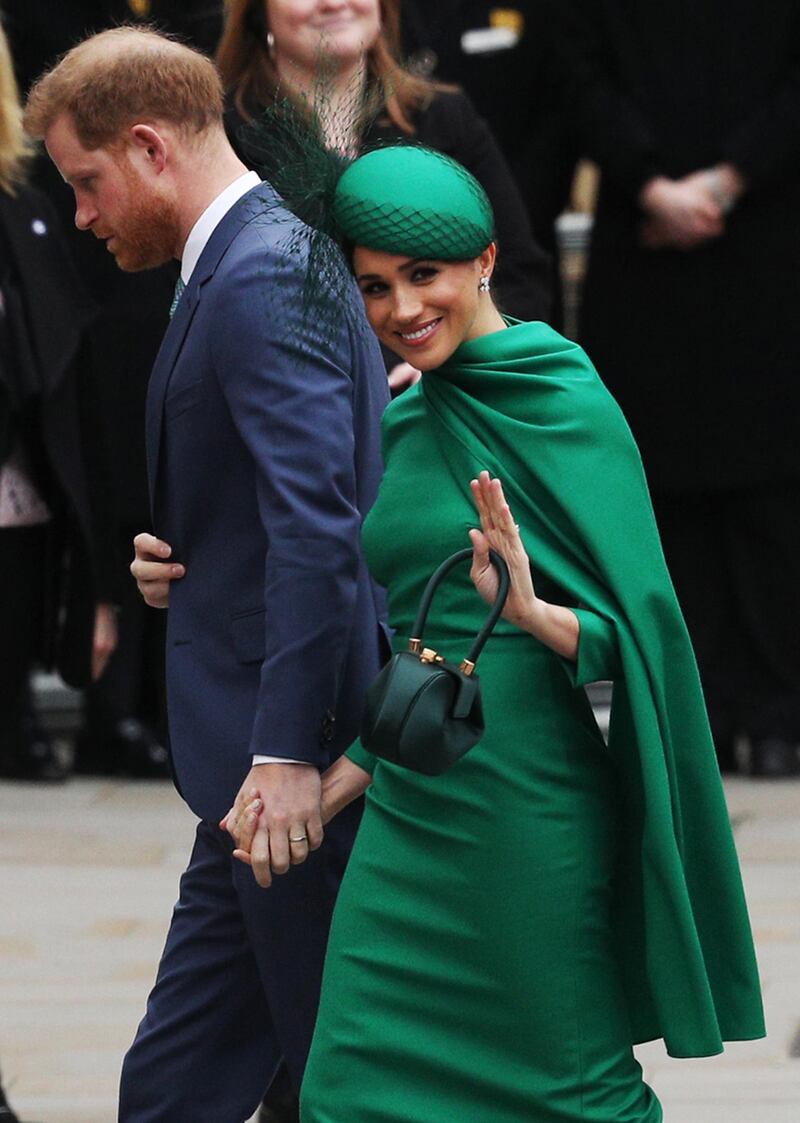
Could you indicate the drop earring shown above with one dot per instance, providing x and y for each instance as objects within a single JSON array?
[
  {"x": 484, "y": 285},
  {"x": 271, "y": 44}
]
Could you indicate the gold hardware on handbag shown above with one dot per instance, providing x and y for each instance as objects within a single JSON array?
[{"x": 423, "y": 712}]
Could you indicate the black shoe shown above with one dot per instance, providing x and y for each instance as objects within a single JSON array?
[
  {"x": 774, "y": 758},
  {"x": 6, "y": 1114},
  {"x": 35, "y": 758}
]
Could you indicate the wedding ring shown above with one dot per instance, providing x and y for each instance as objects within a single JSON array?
[{"x": 300, "y": 838}]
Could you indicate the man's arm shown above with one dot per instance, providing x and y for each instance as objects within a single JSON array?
[{"x": 286, "y": 378}]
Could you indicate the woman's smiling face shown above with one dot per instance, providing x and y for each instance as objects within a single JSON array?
[
  {"x": 423, "y": 309},
  {"x": 341, "y": 30}
]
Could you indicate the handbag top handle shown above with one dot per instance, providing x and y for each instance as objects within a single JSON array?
[{"x": 494, "y": 615}]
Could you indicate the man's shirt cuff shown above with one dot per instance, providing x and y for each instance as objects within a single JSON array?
[{"x": 276, "y": 760}]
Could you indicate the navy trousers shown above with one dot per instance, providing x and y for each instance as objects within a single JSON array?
[{"x": 238, "y": 984}]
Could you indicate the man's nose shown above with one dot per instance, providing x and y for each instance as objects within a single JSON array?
[{"x": 85, "y": 215}]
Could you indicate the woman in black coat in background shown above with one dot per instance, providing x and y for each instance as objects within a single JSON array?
[
  {"x": 56, "y": 580},
  {"x": 271, "y": 46},
  {"x": 693, "y": 113}
]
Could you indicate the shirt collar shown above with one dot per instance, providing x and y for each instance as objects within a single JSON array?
[{"x": 210, "y": 219}]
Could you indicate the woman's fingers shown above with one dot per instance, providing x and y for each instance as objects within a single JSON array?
[
  {"x": 244, "y": 827},
  {"x": 482, "y": 572},
  {"x": 480, "y": 549},
  {"x": 260, "y": 857},
  {"x": 499, "y": 510},
  {"x": 476, "y": 487},
  {"x": 498, "y": 514},
  {"x": 244, "y": 805},
  {"x": 481, "y": 562}
]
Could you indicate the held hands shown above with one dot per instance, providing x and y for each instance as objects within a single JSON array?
[
  {"x": 685, "y": 213},
  {"x": 552, "y": 624},
  {"x": 341, "y": 784},
  {"x": 275, "y": 819},
  {"x": 152, "y": 569}
]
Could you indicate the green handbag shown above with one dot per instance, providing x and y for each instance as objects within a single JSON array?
[{"x": 421, "y": 711}]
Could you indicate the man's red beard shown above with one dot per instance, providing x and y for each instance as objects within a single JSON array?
[{"x": 147, "y": 237}]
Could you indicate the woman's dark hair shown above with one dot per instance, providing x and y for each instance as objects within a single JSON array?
[{"x": 250, "y": 74}]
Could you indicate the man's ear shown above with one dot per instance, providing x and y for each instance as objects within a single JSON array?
[{"x": 150, "y": 146}]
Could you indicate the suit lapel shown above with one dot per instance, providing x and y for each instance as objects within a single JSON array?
[
  {"x": 255, "y": 202},
  {"x": 159, "y": 380}
]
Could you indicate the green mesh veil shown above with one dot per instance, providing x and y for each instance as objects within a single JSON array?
[{"x": 401, "y": 198}]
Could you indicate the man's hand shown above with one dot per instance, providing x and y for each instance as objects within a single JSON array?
[
  {"x": 289, "y": 825},
  {"x": 341, "y": 784},
  {"x": 104, "y": 639},
  {"x": 152, "y": 570}
]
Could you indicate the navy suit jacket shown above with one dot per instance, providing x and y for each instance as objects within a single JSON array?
[{"x": 263, "y": 453}]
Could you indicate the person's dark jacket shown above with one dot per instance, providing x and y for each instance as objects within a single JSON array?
[
  {"x": 700, "y": 347},
  {"x": 39, "y": 30},
  {"x": 515, "y": 87},
  {"x": 451, "y": 125},
  {"x": 47, "y": 317}
]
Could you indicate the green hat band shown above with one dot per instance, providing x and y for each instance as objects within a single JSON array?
[{"x": 413, "y": 201}]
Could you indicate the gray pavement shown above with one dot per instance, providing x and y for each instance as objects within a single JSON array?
[{"x": 88, "y": 875}]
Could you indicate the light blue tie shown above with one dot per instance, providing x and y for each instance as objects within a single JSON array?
[{"x": 179, "y": 287}]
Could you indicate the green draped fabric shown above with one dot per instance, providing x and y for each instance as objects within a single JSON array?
[{"x": 531, "y": 406}]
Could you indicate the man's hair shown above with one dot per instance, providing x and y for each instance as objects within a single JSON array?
[{"x": 121, "y": 77}]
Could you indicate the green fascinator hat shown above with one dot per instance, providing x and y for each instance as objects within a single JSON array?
[{"x": 411, "y": 200}]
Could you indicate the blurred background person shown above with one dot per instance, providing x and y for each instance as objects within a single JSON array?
[
  {"x": 689, "y": 310},
  {"x": 124, "y": 729},
  {"x": 368, "y": 99},
  {"x": 55, "y": 518},
  {"x": 503, "y": 57},
  {"x": 39, "y": 31}
]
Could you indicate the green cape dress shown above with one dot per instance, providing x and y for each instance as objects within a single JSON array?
[
  {"x": 545, "y": 424},
  {"x": 527, "y": 405}
]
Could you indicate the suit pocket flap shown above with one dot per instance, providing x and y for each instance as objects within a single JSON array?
[
  {"x": 184, "y": 399},
  {"x": 248, "y": 636}
]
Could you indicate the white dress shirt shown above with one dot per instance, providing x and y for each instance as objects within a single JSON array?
[
  {"x": 210, "y": 219},
  {"x": 198, "y": 238}
]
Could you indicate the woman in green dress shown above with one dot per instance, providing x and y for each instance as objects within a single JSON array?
[{"x": 506, "y": 932}]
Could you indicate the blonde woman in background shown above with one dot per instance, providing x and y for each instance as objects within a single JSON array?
[{"x": 53, "y": 510}]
